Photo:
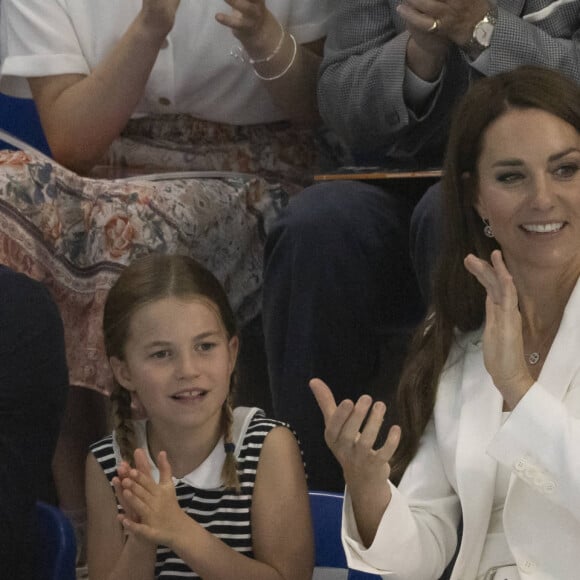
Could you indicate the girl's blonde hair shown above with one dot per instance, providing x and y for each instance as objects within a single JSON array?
[{"x": 145, "y": 281}]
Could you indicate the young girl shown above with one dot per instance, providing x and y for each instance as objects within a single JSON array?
[{"x": 195, "y": 489}]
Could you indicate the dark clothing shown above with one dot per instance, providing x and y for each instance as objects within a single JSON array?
[
  {"x": 340, "y": 299},
  {"x": 33, "y": 387},
  {"x": 338, "y": 279}
]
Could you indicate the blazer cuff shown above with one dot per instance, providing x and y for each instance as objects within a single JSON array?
[{"x": 394, "y": 531}]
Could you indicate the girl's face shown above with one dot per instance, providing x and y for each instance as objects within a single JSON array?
[
  {"x": 529, "y": 189},
  {"x": 178, "y": 361}
]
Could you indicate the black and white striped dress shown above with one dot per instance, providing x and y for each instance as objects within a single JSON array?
[{"x": 200, "y": 494}]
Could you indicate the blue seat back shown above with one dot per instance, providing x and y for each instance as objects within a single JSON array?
[
  {"x": 326, "y": 509},
  {"x": 19, "y": 118},
  {"x": 57, "y": 545}
]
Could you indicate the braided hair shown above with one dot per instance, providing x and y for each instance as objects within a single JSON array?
[{"x": 147, "y": 280}]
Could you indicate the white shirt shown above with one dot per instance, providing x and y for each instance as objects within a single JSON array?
[{"x": 194, "y": 73}]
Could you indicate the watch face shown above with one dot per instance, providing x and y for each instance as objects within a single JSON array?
[{"x": 482, "y": 33}]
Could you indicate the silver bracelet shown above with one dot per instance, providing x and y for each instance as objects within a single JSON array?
[
  {"x": 276, "y": 50},
  {"x": 286, "y": 69}
]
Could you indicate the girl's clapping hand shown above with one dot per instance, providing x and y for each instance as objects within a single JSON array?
[
  {"x": 159, "y": 517},
  {"x": 122, "y": 473}
]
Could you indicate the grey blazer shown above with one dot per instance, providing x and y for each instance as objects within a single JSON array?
[{"x": 361, "y": 82}]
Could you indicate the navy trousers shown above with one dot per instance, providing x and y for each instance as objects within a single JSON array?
[
  {"x": 341, "y": 296},
  {"x": 33, "y": 387}
]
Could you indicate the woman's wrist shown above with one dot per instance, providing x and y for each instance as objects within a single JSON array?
[
  {"x": 264, "y": 44},
  {"x": 155, "y": 28},
  {"x": 275, "y": 51},
  {"x": 278, "y": 74}
]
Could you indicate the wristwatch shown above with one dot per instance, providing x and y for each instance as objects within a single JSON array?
[{"x": 481, "y": 36}]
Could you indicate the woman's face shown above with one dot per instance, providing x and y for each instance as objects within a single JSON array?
[{"x": 529, "y": 189}]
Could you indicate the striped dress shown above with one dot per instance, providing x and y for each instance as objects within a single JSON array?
[{"x": 224, "y": 513}]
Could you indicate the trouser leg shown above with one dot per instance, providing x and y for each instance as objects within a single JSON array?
[
  {"x": 425, "y": 232},
  {"x": 338, "y": 281}
]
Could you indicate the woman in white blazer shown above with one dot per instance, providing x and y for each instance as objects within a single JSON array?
[{"x": 490, "y": 399}]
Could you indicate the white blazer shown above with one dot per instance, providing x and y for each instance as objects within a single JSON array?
[{"x": 453, "y": 473}]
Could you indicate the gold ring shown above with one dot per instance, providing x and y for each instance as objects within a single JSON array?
[{"x": 435, "y": 26}]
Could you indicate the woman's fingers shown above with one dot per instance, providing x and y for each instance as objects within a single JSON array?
[
  {"x": 245, "y": 14},
  {"x": 485, "y": 275},
  {"x": 335, "y": 424},
  {"x": 508, "y": 289},
  {"x": 374, "y": 422},
  {"x": 495, "y": 278},
  {"x": 342, "y": 421},
  {"x": 386, "y": 452},
  {"x": 354, "y": 448},
  {"x": 353, "y": 422},
  {"x": 324, "y": 398}
]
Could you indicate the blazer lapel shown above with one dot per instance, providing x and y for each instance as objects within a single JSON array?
[
  {"x": 479, "y": 421},
  {"x": 560, "y": 367}
]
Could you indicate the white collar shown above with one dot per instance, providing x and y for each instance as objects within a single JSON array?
[{"x": 208, "y": 474}]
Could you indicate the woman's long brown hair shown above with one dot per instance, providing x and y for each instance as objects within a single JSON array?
[{"x": 458, "y": 300}]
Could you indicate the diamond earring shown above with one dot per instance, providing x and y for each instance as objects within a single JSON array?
[{"x": 487, "y": 230}]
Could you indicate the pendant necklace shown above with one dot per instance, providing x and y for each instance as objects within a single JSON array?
[{"x": 534, "y": 357}]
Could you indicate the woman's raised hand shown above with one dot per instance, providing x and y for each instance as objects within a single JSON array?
[
  {"x": 362, "y": 465},
  {"x": 253, "y": 25},
  {"x": 159, "y": 15},
  {"x": 366, "y": 470},
  {"x": 503, "y": 345}
]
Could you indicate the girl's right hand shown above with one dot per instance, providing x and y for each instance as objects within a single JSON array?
[
  {"x": 362, "y": 465},
  {"x": 123, "y": 472},
  {"x": 159, "y": 15}
]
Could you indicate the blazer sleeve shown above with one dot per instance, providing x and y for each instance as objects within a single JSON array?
[
  {"x": 360, "y": 91},
  {"x": 549, "y": 37},
  {"x": 541, "y": 443},
  {"x": 422, "y": 518}
]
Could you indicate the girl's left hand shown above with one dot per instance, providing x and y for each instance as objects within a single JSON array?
[
  {"x": 122, "y": 473},
  {"x": 253, "y": 25},
  {"x": 503, "y": 345},
  {"x": 161, "y": 520}
]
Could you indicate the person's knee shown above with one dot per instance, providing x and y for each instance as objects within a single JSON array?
[
  {"x": 326, "y": 210},
  {"x": 428, "y": 211},
  {"x": 425, "y": 232}
]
